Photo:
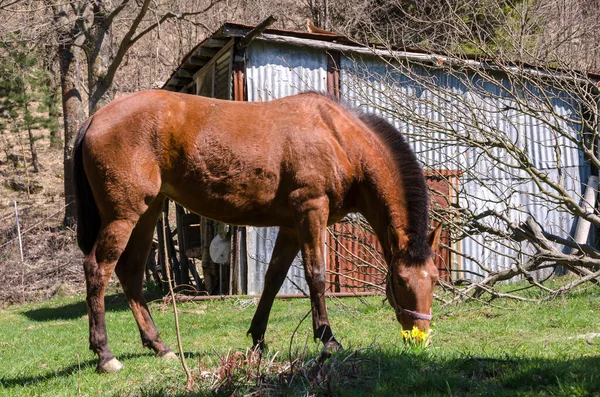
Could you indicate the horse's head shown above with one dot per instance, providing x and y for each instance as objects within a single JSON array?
[{"x": 410, "y": 284}]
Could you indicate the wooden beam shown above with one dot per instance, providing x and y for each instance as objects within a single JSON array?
[
  {"x": 182, "y": 73},
  {"x": 197, "y": 61},
  {"x": 215, "y": 43},
  {"x": 179, "y": 82},
  {"x": 224, "y": 49},
  {"x": 204, "y": 52},
  {"x": 254, "y": 33}
]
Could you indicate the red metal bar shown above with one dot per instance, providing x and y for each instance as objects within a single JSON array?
[
  {"x": 333, "y": 73},
  {"x": 185, "y": 298}
]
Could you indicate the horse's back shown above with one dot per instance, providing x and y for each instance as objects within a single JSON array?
[{"x": 234, "y": 161}]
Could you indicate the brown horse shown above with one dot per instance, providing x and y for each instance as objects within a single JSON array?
[{"x": 301, "y": 163}]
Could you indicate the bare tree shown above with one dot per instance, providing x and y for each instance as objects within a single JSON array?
[
  {"x": 518, "y": 129},
  {"x": 92, "y": 40}
]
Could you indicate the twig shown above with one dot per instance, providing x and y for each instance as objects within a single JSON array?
[
  {"x": 462, "y": 295},
  {"x": 78, "y": 375},
  {"x": 190, "y": 378},
  {"x": 292, "y": 339},
  {"x": 36, "y": 225},
  {"x": 570, "y": 286}
]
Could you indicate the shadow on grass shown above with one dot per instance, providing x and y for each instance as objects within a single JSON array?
[
  {"x": 390, "y": 373},
  {"x": 7, "y": 383},
  {"x": 380, "y": 372},
  {"x": 114, "y": 302},
  {"x": 70, "y": 370},
  {"x": 424, "y": 374}
]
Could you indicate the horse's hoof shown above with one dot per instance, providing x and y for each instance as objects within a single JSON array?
[
  {"x": 329, "y": 348},
  {"x": 169, "y": 356},
  {"x": 332, "y": 347},
  {"x": 112, "y": 366},
  {"x": 259, "y": 345}
]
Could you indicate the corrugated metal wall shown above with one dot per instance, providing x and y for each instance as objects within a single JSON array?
[
  {"x": 461, "y": 100},
  {"x": 278, "y": 70}
]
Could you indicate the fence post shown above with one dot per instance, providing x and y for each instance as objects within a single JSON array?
[{"x": 19, "y": 231}]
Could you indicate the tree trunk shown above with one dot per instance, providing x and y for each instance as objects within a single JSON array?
[
  {"x": 73, "y": 116},
  {"x": 50, "y": 53},
  {"x": 100, "y": 59},
  {"x": 54, "y": 113},
  {"x": 34, "y": 157}
]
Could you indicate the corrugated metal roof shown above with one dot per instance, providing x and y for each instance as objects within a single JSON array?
[{"x": 200, "y": 54}]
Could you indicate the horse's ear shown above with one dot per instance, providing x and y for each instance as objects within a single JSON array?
[
  {"x": 434, "y": 237},
  {"x": 394, "y": 239}
]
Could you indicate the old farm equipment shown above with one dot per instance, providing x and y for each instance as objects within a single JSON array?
[{"x": 185, "y": 242}]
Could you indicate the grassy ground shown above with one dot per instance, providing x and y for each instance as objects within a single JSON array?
[{"x": 523, "y": 349}]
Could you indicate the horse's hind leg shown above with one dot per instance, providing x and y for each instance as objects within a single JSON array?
[
  {"x": 98, "y": 266},
  {"x": 285, "y": 250},
  {"x": 130, "y": 270}
]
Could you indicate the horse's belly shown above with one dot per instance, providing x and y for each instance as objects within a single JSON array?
[{"x": 248, "y": 202}]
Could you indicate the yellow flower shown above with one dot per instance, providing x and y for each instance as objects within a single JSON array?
[{"x": 416, "y": 337}]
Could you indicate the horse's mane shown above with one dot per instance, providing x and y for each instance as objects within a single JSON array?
[{"x": 413, "y": 181}]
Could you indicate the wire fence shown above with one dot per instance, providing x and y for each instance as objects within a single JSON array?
[{"x": 39, "y": 257}]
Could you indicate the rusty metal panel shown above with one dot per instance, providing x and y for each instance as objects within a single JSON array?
[
  {"x": 355, "y": 261},
  {"x": 442, "y": 185},
  {"x": 354, "y": 256}
]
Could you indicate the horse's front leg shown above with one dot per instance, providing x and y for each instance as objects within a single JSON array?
[
  {"x": 284, "y": 252},
  {"x": 312, "y": 228}
]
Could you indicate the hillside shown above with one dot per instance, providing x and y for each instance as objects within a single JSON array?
[{"x": 52, "y": 261}]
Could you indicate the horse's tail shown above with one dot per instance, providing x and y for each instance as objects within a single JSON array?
[{"x": 88, "y": 216}]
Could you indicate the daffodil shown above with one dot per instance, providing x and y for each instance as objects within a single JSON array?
[{"x": 416, "y": 337}]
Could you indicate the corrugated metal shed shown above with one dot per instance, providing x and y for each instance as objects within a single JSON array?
[
  {"x": 280, "y": 63},
  {"x": 367, "y": 82}
]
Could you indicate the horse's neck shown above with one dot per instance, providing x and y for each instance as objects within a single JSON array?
[{"x": 382, "y": 207}]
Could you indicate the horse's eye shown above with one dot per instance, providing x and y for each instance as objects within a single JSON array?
[{"x": 401, "y": 282}]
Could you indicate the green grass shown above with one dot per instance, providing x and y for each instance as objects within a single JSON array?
[{"x": 521, "y": 349}]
